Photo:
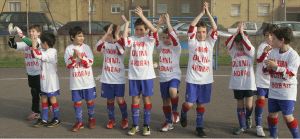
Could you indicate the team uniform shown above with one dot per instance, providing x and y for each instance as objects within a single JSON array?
[
  {"x": 33, "y": 69},
  {"x": 283, "y": 88},
  {"x": 49, "y": 79},
  {"x": 113, "y": 76},
  {"x": 169, "y": 72},
  {"x": 262, "y": 82},
  {"x": 199, "y": 76},
  {"x": 82, "y": 84},
  {"x": 141, "y": 71},
  {"x": 242, "y": 80}
]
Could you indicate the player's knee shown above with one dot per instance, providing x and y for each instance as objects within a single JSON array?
[
  {"x": 260, "y": 103},
  {"x": 288, "y": 118}
]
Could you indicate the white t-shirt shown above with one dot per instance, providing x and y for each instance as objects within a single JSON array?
[
  {"x": 242, "y": 74},
  {"x": 169, "y": 56},
  {"x": 33, "y": 65},
  {"x": 81, "y": 73},
  {"x": 262, "y": 79},
  {"x": 283, "y": 81},
  {"x": 113, "y": 71},
  {"x": 49, "y": 78},
  {"x": 200, "y": 65},
  {"x": 141, "y": 57}
]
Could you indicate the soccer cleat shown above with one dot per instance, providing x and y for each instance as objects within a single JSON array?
[
  {"x": 238, "y": 131},
  {"x": 92, "y": 123},
  {"x": 77, "y": 126},
  {"x": 167, "y": 127},
  {"x": 200, "y": 132},
  {"x": 11, "y": 29},
  {"x": 33, "y": 116},
  {"x": 146, "y": 131},
  {"x": 54, "y": 123},
  {"x": 183, "y": 121},
  {"x": 175, "y": 117},
  {"x": 124, "y": 123},
  {"x": 19, "y": 32},
  {"x": 40, "y": 123},
  {"x": 260, "y": 131},
  {"x": 111, "y": 124},
  {"x": 133, "y": 130},
  {"x": 249, "y": 123}
]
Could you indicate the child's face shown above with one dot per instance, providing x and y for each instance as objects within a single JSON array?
[
  {"x": 166, "y": 39},
  {"x": 79, "y": 39},
  {"x": 201, "y": 34},
  {"x": 276, "y": 43},
  {"x": 140, "y": 30},
  {"x": 34, "y": 33},
  {"x": 109, "y": 37},
  {"x": 268, "y": 38},
  {"x": 45, "y": 45},
  {"x": 239, "y": 46}
]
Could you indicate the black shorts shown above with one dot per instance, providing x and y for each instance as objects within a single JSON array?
[
  {"x": 34, "y": 81},
  {"x": 240, "y": 94}
]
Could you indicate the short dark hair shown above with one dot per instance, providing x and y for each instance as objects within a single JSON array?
[
  {"x": 49, "y": 38},
  {"x": 139, "y": 22},
  {"x": 75, "y": 31},
  {"x": 166, "y": 31},
  {"x": 269, "y": 28},
  {"x": 201, "y": 24},
  {"x": 36, "y": 27},
  {"x": 285, "y": 33},
  {"x": 105, "y": 28}
]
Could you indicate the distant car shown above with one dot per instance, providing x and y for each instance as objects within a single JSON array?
[
  {"x": 96, "y": 27},
  {"x": 182, "y": 28},
  {"x": 19, "y": 19},
  {"x": 3, "y": 31},
  {"x": 250, "y": 27},
  {"x": 295, "y": 26}
]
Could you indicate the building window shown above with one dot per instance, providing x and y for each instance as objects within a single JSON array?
[
  {"x": 15, "y": 6},
  {"x": 115, "y": 8},
  {"x": 263, "y": 9},
  {"x": 162, "y": 8},
  {"x": 235, "y": 10},
  {"x": 185, "y": 8}
]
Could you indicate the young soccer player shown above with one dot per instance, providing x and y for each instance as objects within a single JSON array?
[
  {"x": 33, "y": 66},
  {"x": 199, "y": 75},
  {"x": 141, "y": 72},
  {"x": 49, "y": 78},
  {"x": 262, "y": 79},
  {"x": 242, "y": 80},
  {"x": 282, "y": 64},
  {"x": 113, "y": 74},
  {"x": 169, "y": 72},
  {"x": 79, "y": 59}
]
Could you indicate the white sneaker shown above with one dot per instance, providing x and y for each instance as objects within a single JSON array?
[
  {"x": 166, "y": 127},
  {"x": 19, "y": 31},
  {"x": 11, "y": 29},
  {"x": 260, "y": 131}
]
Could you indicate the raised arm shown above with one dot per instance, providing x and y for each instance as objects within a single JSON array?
[
  {"x": 100, "y": 43},
  {"x": 248, "y": 47},
  {"x": 198, "y": 17},
  {"x": 171, "y": 31},
  {"x": 139, "y": 12},
  {"x": 211, "y": 19}
]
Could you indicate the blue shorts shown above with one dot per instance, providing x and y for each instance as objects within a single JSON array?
[
  {"x": 110, "y": 91},
  {"x": 50, "y": 94},
  {"x": 165, "y": 86},
  {"x": 87, "y": 94},
  {"x": 263, "y": 92},
  {"x": 198, "y": 93},
  {"x": 285, "y": 106},
  {"x": 138, "y": 87}
]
